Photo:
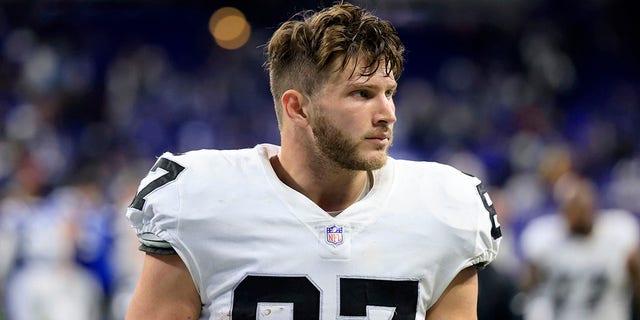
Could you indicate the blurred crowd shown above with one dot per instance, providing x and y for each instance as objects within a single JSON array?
[{"x": 91, "y": 95}]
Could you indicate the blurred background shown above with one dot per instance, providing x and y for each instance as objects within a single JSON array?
[{"x": 515, "y": 92}]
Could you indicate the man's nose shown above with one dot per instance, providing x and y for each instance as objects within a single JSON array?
[{"x": 385, "y": 111}]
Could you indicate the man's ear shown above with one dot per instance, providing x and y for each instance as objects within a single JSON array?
[{"x": 293, "y": 102}]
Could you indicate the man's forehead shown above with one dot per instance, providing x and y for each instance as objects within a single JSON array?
[
  {"x": 361, "y": 74},
  {"x": 365, "y": 79},
  {"x": 357, "y": 67}
]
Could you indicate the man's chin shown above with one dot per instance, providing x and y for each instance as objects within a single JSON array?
[{"x": 375, "y": 161}]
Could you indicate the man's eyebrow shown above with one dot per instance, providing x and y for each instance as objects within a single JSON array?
[{"x": 366, "y": 85}]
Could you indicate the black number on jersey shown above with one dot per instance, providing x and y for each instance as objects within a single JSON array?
[
  {"x": 298, "y": 290},
  {"x": 597, "y": 287},
  {"x": 565, "y": 287},
  {"x": 356, "y": 294},
  {"x": 173, "y": 170},
  {"x": 495, "y": 227}
]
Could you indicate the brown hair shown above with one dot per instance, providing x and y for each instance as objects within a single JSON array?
[{"x": 303, "y": 49}]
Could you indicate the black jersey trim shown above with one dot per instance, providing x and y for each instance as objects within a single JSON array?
[{"x": 157, "y": 250}]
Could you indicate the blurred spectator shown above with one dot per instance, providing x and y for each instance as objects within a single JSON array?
[
  {"x": 50, "y": 285},
  {"x": 125, "y": 257},
  {"x": 22, "y": 199},
  {"x": 39, "y": 240},
  {"x": 584, "y": 261}
]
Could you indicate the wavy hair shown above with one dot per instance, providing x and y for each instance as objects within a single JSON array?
[{"x": 303, "y": 50}]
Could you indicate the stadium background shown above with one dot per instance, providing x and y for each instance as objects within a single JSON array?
[{"x": 515, "y": 92}]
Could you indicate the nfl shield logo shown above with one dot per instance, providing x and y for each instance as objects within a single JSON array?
[{"x": 334, "y": 235}]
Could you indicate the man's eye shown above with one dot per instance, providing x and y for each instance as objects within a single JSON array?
[{"x": 361, "y": 94}]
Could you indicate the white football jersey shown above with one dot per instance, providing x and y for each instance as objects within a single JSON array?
[
  {"x": 584, "y": 277},
  {"x": 257, "y": 249}
]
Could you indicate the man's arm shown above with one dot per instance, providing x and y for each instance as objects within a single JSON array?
[
  {"x": 165, "y": 290},
  {"x": 460, "y": 300}
]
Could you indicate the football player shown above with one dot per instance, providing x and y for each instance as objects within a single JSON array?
[
  {"x": 583, "y": 262},
  {"x": 326, "y": 225}
]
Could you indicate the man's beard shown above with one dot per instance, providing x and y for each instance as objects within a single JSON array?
[{"x": 337, "y": 147}]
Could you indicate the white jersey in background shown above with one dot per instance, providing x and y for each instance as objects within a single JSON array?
[
  {"x": 584, "y": 277},
  {"x": 257, "y": 248}
]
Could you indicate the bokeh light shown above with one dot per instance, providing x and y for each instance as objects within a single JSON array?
[{"x": 229, "y": 28}]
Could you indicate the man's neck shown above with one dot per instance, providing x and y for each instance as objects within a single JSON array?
[{"x": 333, "y": 190}]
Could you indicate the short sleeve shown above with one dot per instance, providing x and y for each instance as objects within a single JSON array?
[
  {"x": 154, "y": 211},
  {"x": 471, "y": 215},
  {"x": 489, "y": 233}
]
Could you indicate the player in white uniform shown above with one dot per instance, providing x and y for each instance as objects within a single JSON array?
[
  {"x": 326, "y": 226},
  {"x": 253, "y": 243},
  {"x": 584, "y": 261}
]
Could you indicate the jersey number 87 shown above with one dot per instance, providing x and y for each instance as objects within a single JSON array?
[{"x": 300, "y": 298}]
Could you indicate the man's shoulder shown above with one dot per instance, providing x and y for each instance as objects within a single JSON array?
[
  {"x": 421, "y": 166},
  {"x": 443, "y": 175},
  {"x": 457, "y": 200},
  {"x": 198, "y": 169},
  {"x": 547, "y": 225},
  {"x": 205, "y": 155},
  {"x": 180, "y": 184},
  {"x": 618, "y": 225},
  {"x": 541, "y": 235},
  {"x": 217, "y": 159},
  {"x": 449, "y": 191}
]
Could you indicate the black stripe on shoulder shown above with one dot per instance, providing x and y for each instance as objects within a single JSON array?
[
  {"x": 156, "y": 250},
  {"x": 469, "y": 174}
]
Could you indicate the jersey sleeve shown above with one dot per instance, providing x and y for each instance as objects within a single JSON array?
[
  {"x": 464, "y": 207},
  {"x": 154, "y": 211},
  {"x": 488, "y": 232}
]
